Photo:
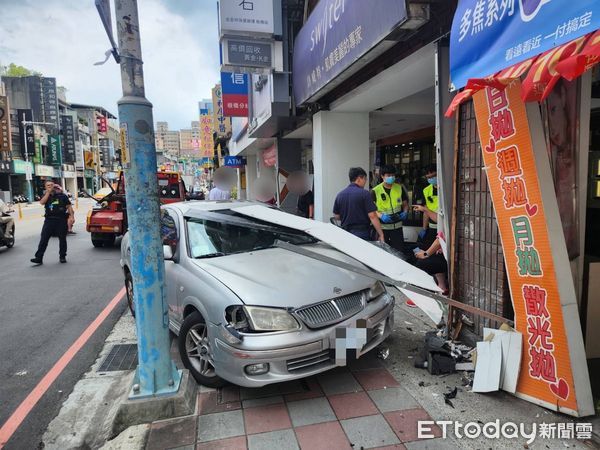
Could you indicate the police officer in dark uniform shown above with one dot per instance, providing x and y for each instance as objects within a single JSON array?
[{"x": 59, "y": 214}]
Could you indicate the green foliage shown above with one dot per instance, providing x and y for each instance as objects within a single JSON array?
[{"x": 14, "y": 70}]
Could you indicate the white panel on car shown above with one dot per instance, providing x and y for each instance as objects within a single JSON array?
[{"x": 359, "y": 249}]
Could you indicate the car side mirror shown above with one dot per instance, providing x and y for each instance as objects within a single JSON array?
[{"x": 167, "y": 252}]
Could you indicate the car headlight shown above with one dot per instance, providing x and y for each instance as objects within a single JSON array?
[
  {"x": 376, "y": 290},
  {"x": 270, "y": 319}
]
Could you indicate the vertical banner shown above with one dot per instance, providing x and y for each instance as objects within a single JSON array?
[
  {"x": 5, "y": 137},
  {"x": 101, "y": 124},
  {"x": 26, "y": 133},
  {"x": 68, "y": 139},
  {"x": 207, "y": 144},
  {"x": 222, "y": 124},
  {"x": 54, "y": 150},
  {"x": 50, "y": 99},
  {"x": 234, "y": 87},
  {"x": 37, "y": 158},
  {"x": 105, "y": 150},
  {"x": 547, "y": 375}
]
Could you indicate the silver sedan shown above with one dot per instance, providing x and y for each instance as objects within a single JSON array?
[{"x": 252, "y": 313}]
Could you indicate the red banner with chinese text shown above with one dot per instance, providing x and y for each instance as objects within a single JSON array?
[{"x": 546, "y": 374}]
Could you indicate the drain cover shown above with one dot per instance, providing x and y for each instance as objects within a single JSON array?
[{"x": 120, "y": 357}]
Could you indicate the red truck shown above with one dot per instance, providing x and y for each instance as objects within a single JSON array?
[{"x": 108, "y": 219}]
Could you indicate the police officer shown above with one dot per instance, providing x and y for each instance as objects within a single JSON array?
[
  {"x": 59, "y": 214},
  {"x": 430, "y": 211},
  {"x": 392, "y": 207}
]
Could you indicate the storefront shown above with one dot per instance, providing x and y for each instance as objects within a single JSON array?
[
  {"x": 20, "y": 172},
  {"x": 70, "y": 178},
  {"x": 525, "y": 182},
  {"x": 90, "y": 181}
]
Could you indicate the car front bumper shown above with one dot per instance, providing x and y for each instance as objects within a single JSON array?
[{"x": 303, "y": 353}]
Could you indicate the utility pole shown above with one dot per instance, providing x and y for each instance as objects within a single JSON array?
[{"x": 156, "y": 373}]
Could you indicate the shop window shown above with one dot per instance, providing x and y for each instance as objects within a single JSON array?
[{"x": 479, "y": 277}]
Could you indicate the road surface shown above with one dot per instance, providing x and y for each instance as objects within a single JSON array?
[{"x": 43, "y": 310}]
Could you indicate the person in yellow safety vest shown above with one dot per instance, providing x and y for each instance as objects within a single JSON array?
[
  {"x": 392, "y": 207},
  {"x": 430, "y": 211}
]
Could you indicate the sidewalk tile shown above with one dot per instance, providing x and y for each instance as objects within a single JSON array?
[
  {"x": 307, "y": 412},
  {"x": 220, "y": 426},
  {"x": 355, "y": 404},
  {"x": 314, "y": 391},
  {"x": 235, "y": 443},
  {"x": 207, "y": 404},
  {"x": 266, "y": 418},
  {"x": 185, "y": 447},
  {"x": 376, "y": 379},
  {"x": 369, "y": 431},
  {"x": 270, "y": 390},
  {"x": 230, "y": 394},
  {"x": 393, "y": 399},
  {"x": 430, "y": 444},
  {"x": 338, "y": 381},
  {"x": 254, "y": 402},
  {"x": 172, "y": 433},
  {"x": 392, "y": 447},
  {"x": 322, "y": 436},
  {"x": 280, "y": 440},
  {"x": 405, "y": 423}
]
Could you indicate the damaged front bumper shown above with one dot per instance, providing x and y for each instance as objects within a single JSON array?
[{"x": 300, "y": 353}]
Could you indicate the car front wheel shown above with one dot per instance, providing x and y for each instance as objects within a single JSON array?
[
  {"x": 196, "y": 351},
  {"x": 129, "y": 291}
]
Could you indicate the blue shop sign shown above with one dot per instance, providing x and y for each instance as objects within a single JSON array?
[
  {"x": 335, "y": 36},
  {"x": 235, "y": 161},
  {"x": 490, "y": 35}
]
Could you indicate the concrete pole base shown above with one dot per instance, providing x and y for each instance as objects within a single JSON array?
[{"x": 146, "y": 410}]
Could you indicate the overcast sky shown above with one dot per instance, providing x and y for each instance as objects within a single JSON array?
[{"x": 63, "y": 39}]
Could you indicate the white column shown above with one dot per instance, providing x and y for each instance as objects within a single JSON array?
[
  {"x": 340, "y": 141},
  {"x": 251, "y": 176}
]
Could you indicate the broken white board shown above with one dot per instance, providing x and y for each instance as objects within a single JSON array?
[
  {"x": 488, "y": 367},
  {"x": 512, "y": 343},
  {"x": 433, "y": 308},
  {"x": 359, "y": 249}
]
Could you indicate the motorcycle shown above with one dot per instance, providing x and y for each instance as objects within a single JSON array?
[{"x": 4, "y": 241}]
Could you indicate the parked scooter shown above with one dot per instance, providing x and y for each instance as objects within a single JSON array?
[{"x": 4, "y": 241}]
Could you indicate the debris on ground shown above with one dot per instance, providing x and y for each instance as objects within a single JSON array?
[
  {"x": 448, "y": 396},
  {"x": 383, "y": 353}
]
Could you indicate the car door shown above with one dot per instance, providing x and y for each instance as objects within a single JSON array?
[{"x": 171, "y": 235}]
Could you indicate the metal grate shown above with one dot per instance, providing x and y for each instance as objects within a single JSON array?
[
  {"x": 479, "y": 260},
  {"x": 332, "y": 311},
  {"x": 120, "y": 357}
]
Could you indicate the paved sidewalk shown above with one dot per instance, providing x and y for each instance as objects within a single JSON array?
[{"x": 359, "y": 406}]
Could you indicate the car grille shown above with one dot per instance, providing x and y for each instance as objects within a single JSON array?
[
  {"x": 308, "y": 362},
  {"x": 331, "y": 311}
]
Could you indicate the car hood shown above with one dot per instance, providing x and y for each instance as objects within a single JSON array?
[{"x": 279, "y": 278}]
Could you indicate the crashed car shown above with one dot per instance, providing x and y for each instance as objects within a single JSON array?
[{"x": 250, "y": 312}]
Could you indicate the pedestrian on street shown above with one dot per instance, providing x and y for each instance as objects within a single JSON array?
[
  {"x": 5, "y": 218},
  {"x": 355, "y": 208},
  {"x": 58, "y": 214},
  {"x": 392, "y": 207},
  {"x": 306, "y": 205}
]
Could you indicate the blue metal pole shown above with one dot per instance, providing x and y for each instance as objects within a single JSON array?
[{"x": 156, "y": 373}]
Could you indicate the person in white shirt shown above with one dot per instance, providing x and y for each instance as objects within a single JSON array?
[
  {"x": 6, "y": 219},
  {"x": 219, "y": 194}
]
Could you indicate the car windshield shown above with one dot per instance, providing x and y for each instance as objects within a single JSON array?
[{"x": 212, "y": 238}]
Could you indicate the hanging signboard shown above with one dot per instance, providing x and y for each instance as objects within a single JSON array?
[
  {"x": 54, "y": 150},
  {"x": 101, "y": 124},
  {"x": 489, "y": 36},
  {"x": 221, "y": 124},
  {"x": 5, "y": 136},
  {"x": 68, "y": 139},
  {"x": 50, "y": 98},
  {"x": 234, "y": 161},
  {"x": 335, "y": 36},
  {"x": 551, "y": 373},
  {"x": 207, "y": 143},
  {"x": 246, "y": 16},
  {"x": 234, "y": 87},
  {"x": 244, "y": 54}
]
